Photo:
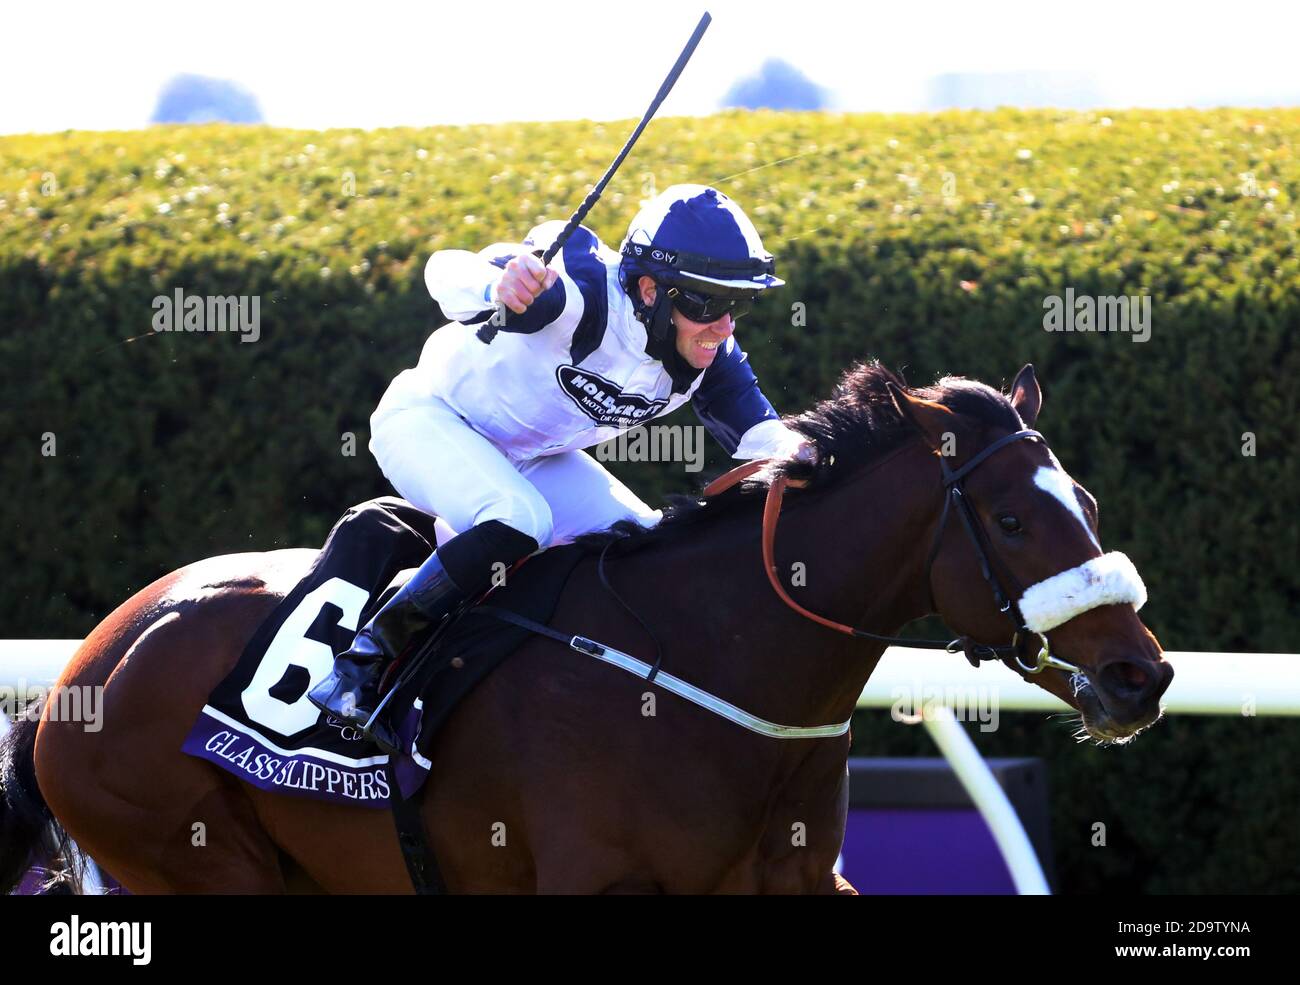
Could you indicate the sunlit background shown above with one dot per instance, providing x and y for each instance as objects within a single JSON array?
[
  {"x": 934, "y": 243},
  {"x": 384, "y": 63}
]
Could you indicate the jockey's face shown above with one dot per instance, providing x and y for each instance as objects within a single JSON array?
[{"x": 697, "y": 342}]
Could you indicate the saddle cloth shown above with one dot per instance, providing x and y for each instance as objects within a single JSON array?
[{"x": 258, "y": 723}]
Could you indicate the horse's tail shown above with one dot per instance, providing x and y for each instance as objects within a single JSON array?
[{"x": 29, "y": 835}]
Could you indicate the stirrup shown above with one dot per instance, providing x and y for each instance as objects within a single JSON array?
[{"x": 378, "y": 731}]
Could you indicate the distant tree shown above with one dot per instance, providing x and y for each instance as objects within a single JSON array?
[
  {"x": 201, "y": 99},
  {"x": 777, "y": 85}
]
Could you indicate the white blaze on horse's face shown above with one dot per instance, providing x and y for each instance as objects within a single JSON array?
[
  {"x": 1054, "y": 481},
  {"x": 1105, "y": 579}
]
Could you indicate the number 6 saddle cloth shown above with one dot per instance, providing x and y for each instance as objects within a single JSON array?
[{"x": 258, "y": 723}]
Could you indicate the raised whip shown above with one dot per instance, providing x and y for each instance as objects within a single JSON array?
[{"x": 488, "y": 332}]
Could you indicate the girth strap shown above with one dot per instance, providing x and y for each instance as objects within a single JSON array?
[{"x": 421, "y": 865}]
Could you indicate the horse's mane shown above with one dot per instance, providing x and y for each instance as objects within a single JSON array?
[{"x": 855, "y": 427}]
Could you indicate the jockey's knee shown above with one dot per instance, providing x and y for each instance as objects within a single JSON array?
[
  {"x": 489, "y": 548},
  {"x": 524, "y": 514}
]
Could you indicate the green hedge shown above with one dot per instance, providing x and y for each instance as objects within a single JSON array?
[{"x": 928, "y": 241}]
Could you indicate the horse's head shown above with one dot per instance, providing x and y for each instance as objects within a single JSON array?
[{"x": 1038, "y": 530}]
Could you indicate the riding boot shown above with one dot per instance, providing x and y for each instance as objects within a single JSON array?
[
  {"x": 351, "y": 692},
  {"x": 458, "y": 570}
]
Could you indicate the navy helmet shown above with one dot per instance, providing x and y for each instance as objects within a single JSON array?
[
  {"x": 697, "y": 238},
  {"x": 704, "y": 256}
]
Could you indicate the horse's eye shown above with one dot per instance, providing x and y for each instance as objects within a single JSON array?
[{"x": 1009, "y": 524}]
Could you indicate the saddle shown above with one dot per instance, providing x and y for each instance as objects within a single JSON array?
[{"x": 258, "y": 723}]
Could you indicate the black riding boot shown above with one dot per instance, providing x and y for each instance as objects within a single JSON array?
[
  {"x": 458, "y": 570},
  {"x": 351, "y": 692}
]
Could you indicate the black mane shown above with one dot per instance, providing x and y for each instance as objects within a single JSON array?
[{"x": 856, "y": 426}]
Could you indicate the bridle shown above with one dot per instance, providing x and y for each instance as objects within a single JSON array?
[
  {"x": 975, "y": 652},
  {"x": 955, "y": 500}
]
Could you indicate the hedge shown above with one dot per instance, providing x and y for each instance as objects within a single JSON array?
[{"x": 929, "y": 241}]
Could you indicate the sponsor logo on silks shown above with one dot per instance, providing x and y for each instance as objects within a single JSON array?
[{"x": 603, "y": 401}]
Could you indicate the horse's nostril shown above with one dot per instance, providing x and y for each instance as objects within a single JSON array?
[{"x": 1124, "y": 677}]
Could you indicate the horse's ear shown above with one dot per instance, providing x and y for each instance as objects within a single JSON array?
[
  {"x": 933, "y": 420},
  {"x": 1026, "y": 395}
]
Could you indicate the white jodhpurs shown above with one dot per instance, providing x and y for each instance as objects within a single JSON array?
[{"x": 441, "y": 465}]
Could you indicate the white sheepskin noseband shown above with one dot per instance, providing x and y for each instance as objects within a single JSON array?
[{"x": 1106, "y": 580}]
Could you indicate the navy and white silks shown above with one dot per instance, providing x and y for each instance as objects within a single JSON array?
[{"x": 479, "y": 432}]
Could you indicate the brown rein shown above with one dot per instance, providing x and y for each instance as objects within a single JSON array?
[
  {"x": 975, "y": 652},
  {"x": 771, "y": 514}
]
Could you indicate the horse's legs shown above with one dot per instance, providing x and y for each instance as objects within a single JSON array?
[
  {"x": 351, "y": 849},
  {"x": 193, "y": 832},
  {"x": 191, "y": 829},
  {"x": 154, "y": 819}
]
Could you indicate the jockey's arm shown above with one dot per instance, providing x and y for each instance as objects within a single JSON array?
[
  {"x": 463, "y": 284},
  {"x": 735, "y": 411}
]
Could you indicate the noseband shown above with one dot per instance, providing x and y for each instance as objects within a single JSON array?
[
  {"x": 955, "y": 495},
  {"x": 955, "y": 500}
]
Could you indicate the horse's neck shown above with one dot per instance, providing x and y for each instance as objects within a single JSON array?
[
  {"x": 859, "y": 547},
  {"x": 864, "y": 543}
]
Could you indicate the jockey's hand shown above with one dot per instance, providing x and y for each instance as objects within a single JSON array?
[{"x": 523, "y": 280}]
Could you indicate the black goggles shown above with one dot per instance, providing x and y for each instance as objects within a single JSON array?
[{"x": 705, "y": 308}]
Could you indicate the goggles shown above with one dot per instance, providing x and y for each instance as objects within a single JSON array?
[{"x": 706, "y": 308}]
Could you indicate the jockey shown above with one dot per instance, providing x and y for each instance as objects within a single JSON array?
[{"x": 487, "y": 431}]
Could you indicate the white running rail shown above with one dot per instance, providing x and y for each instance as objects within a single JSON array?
[{"x": 1243, "y": 684}]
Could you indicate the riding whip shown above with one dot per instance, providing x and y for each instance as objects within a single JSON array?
[{"x": 488, "y": 332}]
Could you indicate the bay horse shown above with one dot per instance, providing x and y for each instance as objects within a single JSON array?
[{"x": 551, "y": 776}]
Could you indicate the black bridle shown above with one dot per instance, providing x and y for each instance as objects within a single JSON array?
[
  {"x": 956, "y": 500},
  {"x": 955, "y": 494}
]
